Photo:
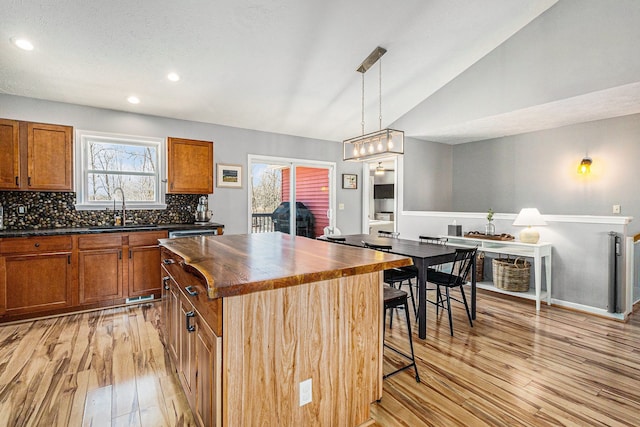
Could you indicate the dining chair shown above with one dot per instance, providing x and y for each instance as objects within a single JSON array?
[
  {"x": 433, "y": 240},
  {"x": 452, "y": 279}
]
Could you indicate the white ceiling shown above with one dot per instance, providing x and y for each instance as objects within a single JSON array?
[{"x": 284, "y": 66}]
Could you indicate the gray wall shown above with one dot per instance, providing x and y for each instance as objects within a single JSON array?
[
  {"x": 539, "y": 169},
  {"x": 427, "y": 176},
  {"x": 232, "y": 145}
]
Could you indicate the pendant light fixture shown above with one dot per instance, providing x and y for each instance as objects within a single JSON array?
[{"x": 377, "y": 144}]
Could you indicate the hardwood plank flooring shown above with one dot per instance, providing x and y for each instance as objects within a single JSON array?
[{"x": 513, "y": 368}]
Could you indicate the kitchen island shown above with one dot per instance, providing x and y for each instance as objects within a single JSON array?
[{"x": 273, "y": 329}]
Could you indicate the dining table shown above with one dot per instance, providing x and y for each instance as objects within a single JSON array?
[{"x": 423, "y": 254}]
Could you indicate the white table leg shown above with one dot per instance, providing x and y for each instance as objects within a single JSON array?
[{"x": 538, "y": 279}]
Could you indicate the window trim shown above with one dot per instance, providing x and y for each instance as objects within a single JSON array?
[{"x": 82, "y": 170}]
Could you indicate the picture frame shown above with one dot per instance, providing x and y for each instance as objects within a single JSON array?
[
  {"x": 350, "y": 181},
  {"x": 229, "y": 176}
]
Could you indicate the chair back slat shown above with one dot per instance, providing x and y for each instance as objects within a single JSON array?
[{"x": 461, "y": 265}]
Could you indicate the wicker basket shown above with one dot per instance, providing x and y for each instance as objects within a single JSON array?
[{"x": 511, "y": 275}]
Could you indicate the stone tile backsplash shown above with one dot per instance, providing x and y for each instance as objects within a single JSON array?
[{"x": 57, "y": 210}]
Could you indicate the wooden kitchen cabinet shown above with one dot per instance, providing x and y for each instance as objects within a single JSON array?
[
  {"x": 190, "y": 166},
  {"x": 35, "y": 156},
  {"x": 118, "y": 266},
  {"x": 99, "y": 268},
  {"x": 9, "y": 154},
  {"x": 144, "y": 258},
  {"x": 193, "y": 346},
  {"x": 36, "y": 274}
]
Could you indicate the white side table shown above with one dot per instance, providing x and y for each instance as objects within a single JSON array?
[{"x": 538, "y": 251}]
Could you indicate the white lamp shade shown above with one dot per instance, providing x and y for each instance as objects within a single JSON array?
[{"x": 529, "y": 217}]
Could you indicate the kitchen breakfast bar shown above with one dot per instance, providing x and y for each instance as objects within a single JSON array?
[{"x": 274, "y": 329}]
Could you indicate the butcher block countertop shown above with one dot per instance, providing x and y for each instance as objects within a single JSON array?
[{"x": 244, "y": 263}]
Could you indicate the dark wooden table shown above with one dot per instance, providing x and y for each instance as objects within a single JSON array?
[{"x": 424, "y": 255}]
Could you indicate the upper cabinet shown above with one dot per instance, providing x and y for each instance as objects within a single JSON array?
[
  {"x": 190, "y": 166},
  {"x": 35, "y": 156}
]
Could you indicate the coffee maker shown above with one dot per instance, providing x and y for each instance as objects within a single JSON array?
[{"x": 203, "y": 214}]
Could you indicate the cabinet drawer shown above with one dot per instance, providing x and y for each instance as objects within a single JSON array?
[
  {"x": 35, "y": 244},
  {"x": 146, "y": 238},
  {"x": 99, "y": 241}
]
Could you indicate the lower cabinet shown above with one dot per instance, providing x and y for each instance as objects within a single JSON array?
[
  {"x": 99, "y": 268},
  {"x": 195, "y": 350},
  {"x": 36, "y": 275},
  {"x": 55, "y": 274},
  {"x": 35, "y": 283}
]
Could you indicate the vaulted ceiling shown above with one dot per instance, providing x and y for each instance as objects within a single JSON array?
[{"x": 284, "y": 66}]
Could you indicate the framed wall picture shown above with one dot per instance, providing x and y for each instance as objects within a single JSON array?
[
  {"x": 349, "y": 181},
  {"x": 229, "y": 176}
]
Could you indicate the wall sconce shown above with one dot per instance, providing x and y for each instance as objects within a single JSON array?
[{"x": 585, "y": 166}]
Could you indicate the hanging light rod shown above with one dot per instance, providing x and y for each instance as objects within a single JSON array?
[{"x": 371, "y": 59}]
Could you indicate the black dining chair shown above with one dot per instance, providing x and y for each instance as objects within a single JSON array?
[
  {"x": 393, "y": 299},
  {"x": 452, "y": 279}
]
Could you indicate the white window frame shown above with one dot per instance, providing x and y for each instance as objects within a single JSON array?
[{"x": 81, "y": 169}]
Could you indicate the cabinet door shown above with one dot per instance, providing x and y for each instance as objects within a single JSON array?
[
  {"x": 174, "y": 324},
  {"x": 187, "y": 355},
  {"x": 9, "y": 154},
  {"x": 190, "y": 166},
  {"x": 49, "y": 157},
  {"x": 208, "y": 375},
  {"x": 144, "y": 274},
  {"x": 35, "y": 283},
  {"x": 99, "y": 275}
]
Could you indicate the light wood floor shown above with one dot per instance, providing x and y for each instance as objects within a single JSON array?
[{"x": 512, "y": 368}]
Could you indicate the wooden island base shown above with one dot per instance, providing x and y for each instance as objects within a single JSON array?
[{"x": 249, "y": 352}]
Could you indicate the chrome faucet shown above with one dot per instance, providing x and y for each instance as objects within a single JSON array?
[{"x": 124, "y": 207}]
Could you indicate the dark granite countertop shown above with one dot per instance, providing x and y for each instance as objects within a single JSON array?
[{"x": 106, "y": 229}]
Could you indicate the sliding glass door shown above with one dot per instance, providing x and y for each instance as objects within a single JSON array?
[{"x": 290, "y": 194}]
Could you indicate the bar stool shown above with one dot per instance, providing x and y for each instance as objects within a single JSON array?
[{"x": 395, "y": 298}]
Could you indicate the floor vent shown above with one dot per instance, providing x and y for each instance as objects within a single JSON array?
[{"x": 139, "y": 299}]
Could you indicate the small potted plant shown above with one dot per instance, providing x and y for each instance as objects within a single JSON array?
[{"x": 490, "y": 228}]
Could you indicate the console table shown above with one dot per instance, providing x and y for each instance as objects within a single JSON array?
[{"x": 538, "y": 251}]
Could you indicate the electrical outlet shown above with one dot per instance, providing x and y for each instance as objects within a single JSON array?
[
  {"x": 340, "y": 206},
  {"x": 305, "y": 392},
  {"x": 616, "y": 209},
  {"x": 22, "y": 210}
]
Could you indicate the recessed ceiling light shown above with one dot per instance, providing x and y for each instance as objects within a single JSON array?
[
  {"x": 133, "y": 100},
  {"x": 174, "y": 77},
  {"x": 23, "y": 44}
]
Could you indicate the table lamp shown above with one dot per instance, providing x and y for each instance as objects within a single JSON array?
[{"x": 529, "y": 217}]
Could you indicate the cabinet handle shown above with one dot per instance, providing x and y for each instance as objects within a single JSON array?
[
  {"x": 120, "y": 254},
  {"x": 165, "y": 279},
  {"x": 37, "y": 245},
  {"x": 69, "y": 259},
  {"x": 168, "y": 261},
  {"x": 29, "y": 181},
  {"x": 189, "y": 315},
  {"x": 17, "y": 181},
  {"x": 129, "y": 253},
  {"x": 190, "y": 291}
]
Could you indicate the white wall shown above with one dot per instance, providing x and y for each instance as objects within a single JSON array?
[{"x": 231, "y": 145}]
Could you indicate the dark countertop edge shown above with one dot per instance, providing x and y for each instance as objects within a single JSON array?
[{"x": 87, "y": 230}]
